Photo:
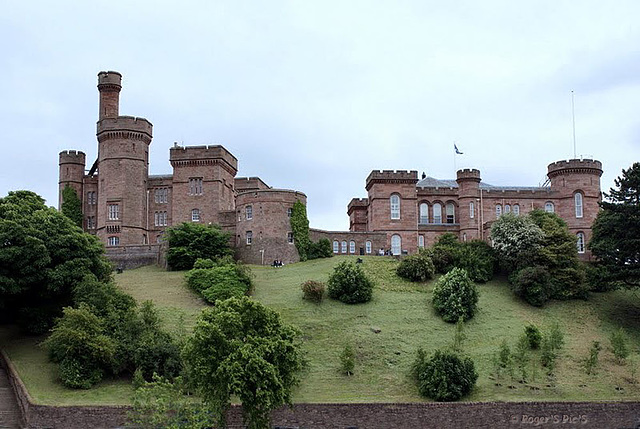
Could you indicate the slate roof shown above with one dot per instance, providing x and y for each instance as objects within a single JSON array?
[{"x": 431, "y": 182}]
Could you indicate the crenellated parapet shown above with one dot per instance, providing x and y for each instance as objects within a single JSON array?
[
  {"x": 72, "y": 157},
  {"x": 392, "y": 176},
  {"x": 125, "y": 128},
  {"x": 191, "y": 156},
  {"x": 575, "y": 166},
  {"x": 468, "y": 174}
]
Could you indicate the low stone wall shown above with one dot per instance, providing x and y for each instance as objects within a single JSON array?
[
  {"x": 128, "y": 257},
  {"x": 596, "y": 415}
]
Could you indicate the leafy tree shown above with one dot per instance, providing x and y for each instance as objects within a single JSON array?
[
  {"x": 455, "y": 296},
  {"x": 221, "y": 281},
  {"x": 533, "y": 284},
  {"x": 615, "y": 232},
  {"x": 444, "y": 376},
  {"x": 478, "y": 259},
  {"x": 320, "y": 249},
  {"x": 445, "y": 252},
  {"x": 190, "y": 241},
  {"x": 349, "y": 284},
  {"x": 300, "y": 229},
  {"x": 43, "y": 256},
  {"x": 517, "y": 240},
  {"x": 347, "y": 360},
  {"x": 241, "y": 348},
  {"x": 71, "y": 205},
  {"x": 534, "y": 336},
  {"x": 619, "y": 346},
  {"x": 417, "y": 268}
]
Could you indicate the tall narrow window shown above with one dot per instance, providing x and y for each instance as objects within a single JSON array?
[
  {"x": 548, "y": 207},
  {"x": 367, "y": 247},
  {"x": 395, "y": 206},
  {"x": 451, "y": 213},
  {"x": 437, "y": 213},
  {"x": 352, "y": 247},
  {"x": 91, "y": 197},
  {"x": 289, "y": 212},
  {"x": 195, "y": 186},
  {"x": 343, "y": 247},
  {"x": 162, "y": 195},
  {"x": 507, "y": 208},
  {"x": 578, "y": 202},
  {"x": 421, "y": 241},
  {"x": 114, "y": 211},
  {"x": 498, "y": 210},
  {"x": 290, "y": 237},
  {"x": 195, "y": 215},
  {"x": 396, "y": 244},
  {"x": 516, "y": 209},
  {"x": 580, "y": 242},
  {"x": 248, "y": 210},
  {"x": 336, "y": 246},
  {"x": 424, "y": 213},
  {"x": 113, "y": 241},
  {"x": 249, "y": 237},
  {"x": 472, "y": 210}
]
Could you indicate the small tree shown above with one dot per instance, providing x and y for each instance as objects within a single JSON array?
[
  {"x": 619, "y": 346},
  {"x": 517, "y": 240},
  {"x": 71, "y": 205},
  {"x": 459, "y": 336},
  {"x": 320, "y": 249},
  {"x": 349, "y": 284},
  {"x": 242, "y": 348},
  {"x": 455, "y": 296},
  {"x": 190, "y": 241},
  {"x": 592, "y": 360},
  {"x": 444, "y": 376},
  {"x": 300, "y": 229},
  {"x": 347, "y": 360},
  {"x": 313, "y": 291},
  {"x": 534, "y": 336},
  {"x": 416, "y": 268},
  {"x": 521, "y": 357},
  {"x": 533, "y": 284}
]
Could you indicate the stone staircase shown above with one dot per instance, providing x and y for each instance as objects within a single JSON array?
[{"x": 9, "y": 411}]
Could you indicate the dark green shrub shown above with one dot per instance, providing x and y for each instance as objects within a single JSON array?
[
  {"x": 534, "y": 336},
  {"x": 220, "y": 282},
  {"x": 349, "y": 284},
  {"x": 416, "y": 268},
  {"x": 619, "y": 346},
  {"x": 552, "y": 342},
  {"x": 347, "y": 360},
  {"x": 599, "y": 278},
  {"x": 158, "y": 353},
  {"x": 79, "y": 373},
  {"x": 313, "y": 290},
  {"x": 591, "y": 362},
  {"x": 533, "y": 284},
  {"x": 455, "y": 296},
  {"x": 300, "y": 229},
  {"x": 320, "y": 249},
  {"x": 444, "y": 253},
  {"x": 190, "y": 241},
  {"x": 445, "y": 376},
  {"x": 569, "y": 283},
  {"x": 478, "y": 259}
]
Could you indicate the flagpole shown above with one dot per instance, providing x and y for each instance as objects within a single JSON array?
[
  {"x": 573, "y": 116},
  {"x": 455, "y": 168}
]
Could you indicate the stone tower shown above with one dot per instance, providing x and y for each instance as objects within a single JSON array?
[
  {"x": 71, "y": 172},
  {"x": 123, "y": 168},
  {"x": 468, "y": 203}
]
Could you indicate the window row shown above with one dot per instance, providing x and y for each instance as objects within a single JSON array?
[
  {"x": 249, "y": 237},
  {"x": 113, "y": 241},
  {"x": 507, "y": 208},
  {"x": 162, "y": 195},
  {"x": 436, "y": 212},
  {"x": 248, "y": 212},
  {"x": 113, "y": 211},
  {"x": 195, "y": 186},
  {"x": 160, "y": 218}
]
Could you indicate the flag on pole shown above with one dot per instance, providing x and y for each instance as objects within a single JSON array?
[{"x": 456, "y": 149}]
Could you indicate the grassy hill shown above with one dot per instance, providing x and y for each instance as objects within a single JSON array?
[{"x": 402, "y": 313}]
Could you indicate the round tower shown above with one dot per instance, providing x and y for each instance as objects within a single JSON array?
[
  {"x": 72, "y": 165},
  {"x": 468, "y": 203},
  {"x": 123, "y": 169}
]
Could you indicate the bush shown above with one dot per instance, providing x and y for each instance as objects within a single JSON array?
[
  {"x": 320, "y": 249},
  {"x": 533, "y": 284},
  {"x": 313, "y": 290},
  {"x": 455, "y": 296},
  {"x": 569, "y": 283},
  {"x": 598, "y": 278},
  {"x": 478, "y": 259},
  {"x": 347, "y": 360},
  {"x": 592, "y": 361},
  {"x": 416, "y": 268},
  {"x": 444, "y": 253},
  {"x": 445, "y": 376},
  {"x": 534, "y": 336},
  {"x": 190, "y": 241},
  {"x": 552, "y": 342},
  {"x": 349, "y": 284},
  {"x": 220, "y": 282},
  {"x": 619, "y": 346}
]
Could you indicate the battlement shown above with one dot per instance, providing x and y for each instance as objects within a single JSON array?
[
  {"x": 186, "y": 155},
  {"x": 125, "y": 123},
  {"x": 242, "y": 184},
  {"x": 575, "y": 166},
  {"x": 358, "y": 202},
  {"x": 392, "y": 176},
  {"x": 468, "y": 174},
  {"x": 72, "y": 157},
  {"x": 110, "y": 80}
]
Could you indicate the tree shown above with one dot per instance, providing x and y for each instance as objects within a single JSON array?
[
  {"x": 516, "y": 239},
  {"x": 615, "y": 232},
  {"x": 71, "y": 205},
  {"x": 444, "y": 376},
  {"x": 349, "y": 284},
  {"x": 455, "y": 296},
  {"x": 242, "y": 348},
  {"x": 191, "y": 241},
  {"x": 42, "y": 257},
  {"x": 300, "y": 229}
]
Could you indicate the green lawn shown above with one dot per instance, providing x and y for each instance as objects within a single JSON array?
[{"x": 402, "y": 312}]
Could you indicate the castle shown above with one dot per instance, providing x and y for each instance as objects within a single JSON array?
[{"x": 129, "y": 210}]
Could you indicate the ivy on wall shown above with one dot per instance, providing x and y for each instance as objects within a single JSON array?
[
  {"x": 300, "y": 229},
  {"x": 71, "y": 205}
]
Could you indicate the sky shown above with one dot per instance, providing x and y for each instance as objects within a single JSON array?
[{"x": 313, "y": 95}]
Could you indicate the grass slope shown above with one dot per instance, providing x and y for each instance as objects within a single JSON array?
[{"x": 402, "y": 312}]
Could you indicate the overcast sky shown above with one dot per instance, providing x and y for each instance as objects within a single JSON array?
[{"x": 313, "y": 95}]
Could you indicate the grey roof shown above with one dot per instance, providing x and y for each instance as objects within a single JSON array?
[
  {"x": 160, "y": 176},
  {"x": 431, "y": 182}
]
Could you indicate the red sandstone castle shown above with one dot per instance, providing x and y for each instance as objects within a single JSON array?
[{"x": 129, "y": 210}]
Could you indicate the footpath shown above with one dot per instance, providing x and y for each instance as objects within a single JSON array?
[{"x": 9, "y": 411}]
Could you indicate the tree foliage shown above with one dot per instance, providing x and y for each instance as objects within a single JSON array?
[
  {"x": 444, "y": 376},
  {"x": 349, "y": 284},
  {"x": 42, "y": 257},
  {"x": 71, "y": 205},
  {"x": 516, "y": 239},
  {"x": 191, "y": 241},
  {"x": 615, "y": 232},
  {"x": 417, "y": 268},
  {"x": 219, "y": 280},
  {"x": 241, "y": 348},
  {"x": 300, "y": 229},
  {"x": 455, "y": 296}
]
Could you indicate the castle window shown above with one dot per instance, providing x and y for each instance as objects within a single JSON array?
[
  {"x": 396, "y": 244},
  {"x": 516, "y": 209},
  {"x": 472, "y": 210},
  {"x": 289, "y": 237},
  {"x": 507, "y": 208},
  {"x": 437, "y": 213},
  {"x": 91, "y": 222},
  {"x": 249, "y": 237},
  {"x": 343, "y": 247},
  {"x": 352, "y": 247},
  {"x": 113, "y": 241},
  {"x": 160, "y": 218},
  {"x": 162, "y": 195},
  {"x": 451, "y": 213},
  {"x": 289, "y": 212},
  {"x": 421, "y": 241},
  {"x": 395, "y": 206},
  {"x": 195, "y": 186},
  {"x": 578, "y": 203},
  {"x": 424, "y": 213},
  {"x": 464, "y": 236},
  {"x": 91, "y": 198},
  {"x": 498, "y": 211},
  {"x": 580, "y": 242},
  {"x": 336, "y": 246},
  {"x": 195, "y": 215},
  {"x": 113, "y": 211},
  {"x": 248, "y": 210},
  {"x": 548, "y": 207},
  {"x": 367, "y": 247}
]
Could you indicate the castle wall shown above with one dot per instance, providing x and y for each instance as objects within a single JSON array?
[
  {"x": 71, "y": 171},
  {"x": 378, "y": 241}
]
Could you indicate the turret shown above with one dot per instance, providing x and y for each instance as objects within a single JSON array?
[
  {"x": 72, "y": 165},
  {"x": 468, "y": 202},
  {"x": 109, "y": 85}
]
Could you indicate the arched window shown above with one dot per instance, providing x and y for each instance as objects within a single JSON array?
[
  {"x": 114, "y": 241},
  {"x": 336, "y": 246},
  {"x": 464, "y": 236},
  {"x": 395, "y": 206},
  {"x": 424, "y": 213},
  {"x": 516, "y": 209},
  {"x": 195, "y": 215},
  {"x": 451, "y": 213},
  {"x": 249, "y": 212},
  {"x": 507, "y": 208},
  {"x": 548, "y": 207},
  {"x": 249, "y": 237},
  {"x": 367, "y": 247},
  {"x": 580, "y": 242},
  {"x": 343, "y": 247},
  {"x": 421, "y": 241},
  {"x": 352, "y": 247},
  {"x": 396, "y": 244},
  {"x": 437, "y": 213},
  {"x": 578, "y": 203},
  {"x": 498, "y": 211},
  {"x": 472, "y": 210}
]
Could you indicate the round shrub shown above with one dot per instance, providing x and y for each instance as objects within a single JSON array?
[
  {"x": 416, "y": 268},
  {"x": 220, "y": 282},
  {"x": 478, "y": 258},
  {"x": 455, "y": 296},
  {"x": 445, "y": 376},
  {"x": 532, "y": 284},
  {"x": 534, "y": 336},
  {"x": 349, "y": 284},
  {"x": 313, "y": 290}
]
